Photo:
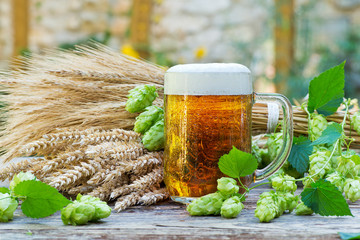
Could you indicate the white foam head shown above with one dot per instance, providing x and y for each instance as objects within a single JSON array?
[{"x": 208, "y": 79}]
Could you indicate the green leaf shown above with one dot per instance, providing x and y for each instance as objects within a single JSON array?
[
  {"x": 329, "y": 135},
  {"x": 326, "y": 91},
  {"x": 349, "y": 236},
  {"x": 300, "y": 152},
  {"x": 237, "y": 163},
  {"x": 4, "y": 190},
  {"x": 325, "y": 199},
  {"x": 40, "y": 199}
]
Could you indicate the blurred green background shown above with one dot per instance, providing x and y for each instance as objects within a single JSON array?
[{"x": 285, "y": 43}]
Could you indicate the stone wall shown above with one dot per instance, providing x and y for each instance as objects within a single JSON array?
[{"x": 187, "y": 30}]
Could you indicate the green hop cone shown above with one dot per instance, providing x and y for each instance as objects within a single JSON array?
[
  {"x": 148, "y": 118},
  {"x": 265, "y": 213},
  {"x": 269, "y": 206},
  {"x": 290, "y": 199},
  {"x": 355, "y": 122},
  {"x": 320, "y": 164},
  {"x": 302, "y": 209},
  {"x": 317, "y": 124},
  {"x": 140, "y": 97},
  {"x": 227, "y": 186},
  {"x": 337, "y": 179},
  {"x": 274, "y": 143},
  {"x": 21, "y": 177},
  {"x": 154, "y": 139},
  {"x": 231, "y": 207},
  {"x": 102, "y": 210},
  {"x": 352, "y": 189},
  {"x": 8, "y": 206},
  {"x": 349, "y": 164},
  {"x": 284, "y": 183},
  {"x": 77, "y": 213},
  {"x": 206, "y": 205},
  {"x": 255, "y": 151}
]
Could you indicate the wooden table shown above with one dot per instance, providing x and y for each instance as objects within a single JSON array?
[{"x": 169, "y": 220}]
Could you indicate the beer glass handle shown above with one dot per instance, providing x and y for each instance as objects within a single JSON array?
[{"x": 287, "y": 127}]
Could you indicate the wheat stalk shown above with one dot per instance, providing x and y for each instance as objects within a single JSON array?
[{"x": 78, "y": 89}]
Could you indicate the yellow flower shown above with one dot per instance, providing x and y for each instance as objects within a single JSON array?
[
  {"x": 127, "y": 49},
  {"x": 200, "y": 52}
]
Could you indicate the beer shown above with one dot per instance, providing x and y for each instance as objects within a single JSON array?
[
  {"x": 207, "y": 112},
  {"x": 199, "y": 130}
]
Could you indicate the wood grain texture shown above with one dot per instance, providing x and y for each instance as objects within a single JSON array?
[{"x": 169, "y": 220}]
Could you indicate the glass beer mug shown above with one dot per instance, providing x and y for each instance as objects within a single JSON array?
[{"x": 207, "y": 112}]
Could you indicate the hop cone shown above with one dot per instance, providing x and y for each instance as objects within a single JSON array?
[
  {"x": 270, "y": 205},
  {"x": 290, "y": 199},
  {"x": 8, "y": 206},
  {"x": 337, "y": 179},
  {"x": 284, "y": 183},
  {"x": 355, "y": 122},
  {"x": 102, "y": 210},
  {"x": 231, "y": 207},
  {"x": 352, "y": 189},
  {"x": 77, "y": 213},
  {"x": 19, "y": 178},
  {"x": 349, "y": 164},
  {"x": 302, "y": 209},
  {"x": 140, "y": 97},
  {"x": 153, "y": 139},
  {"x": 320, "y": 164},
  {"x": 274, "y": 143},
  {"x": 255, "y": 151},
  {"x": 206, "y": 205},
  {"x": 318, "y": 124},
  {"x": 267, "y": 207},
  {"x": 148, "y": 118},
  {"x": 227, "y": 186}
]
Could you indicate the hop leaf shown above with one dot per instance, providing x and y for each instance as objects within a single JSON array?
[
  {"x": 39, "y": 199},
  {"x": 329, "y": 136},
  {"x": 148, "y": 118},
  {"x": 140, "y": 97},
  {"x": 237, "y": 163},
  {"x": 326, "y": 91},
  {"x": 325, "y": 199},
  {"x": 300, "y": 152},
  {"x": 154, "y": 139}
]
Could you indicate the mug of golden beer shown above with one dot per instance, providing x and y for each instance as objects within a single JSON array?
[{"x": 207, "y": 112}]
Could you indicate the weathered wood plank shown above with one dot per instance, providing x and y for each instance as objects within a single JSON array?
[{"x": 170, "y": 220}]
